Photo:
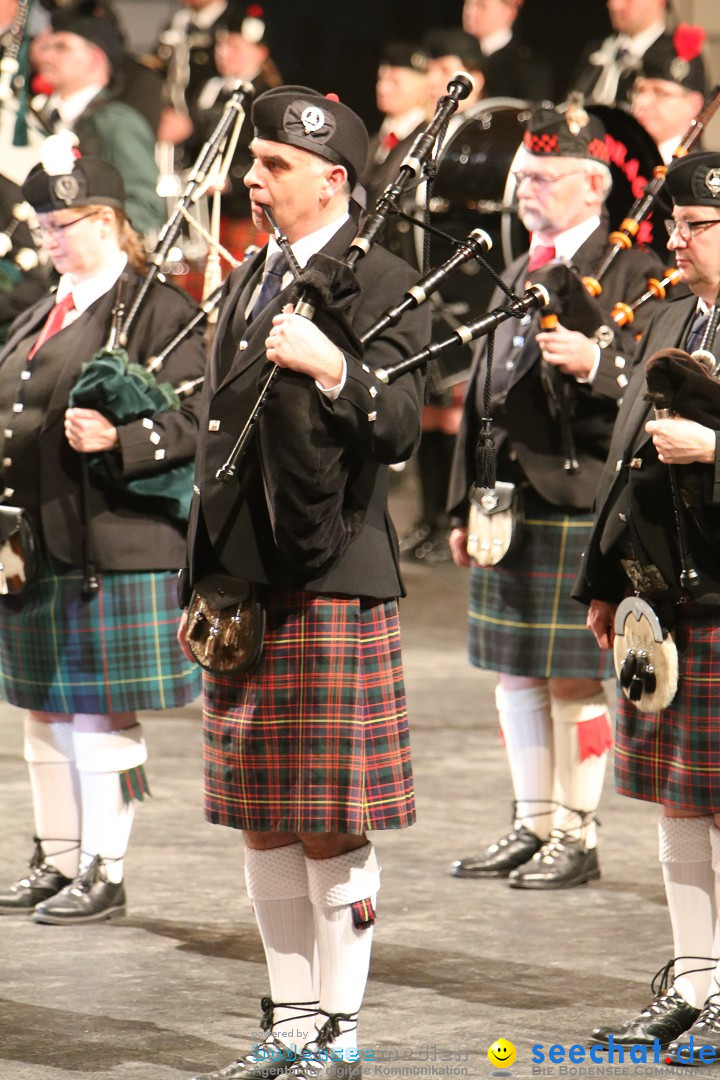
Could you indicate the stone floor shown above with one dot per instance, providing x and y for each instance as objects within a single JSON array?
[{"x": 173, "y": 988}]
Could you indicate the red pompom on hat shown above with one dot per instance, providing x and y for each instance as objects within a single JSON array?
[
  {"x": 677, "y": 58},
  {"x": 332, "y": 97},
  {"x": 688, "y": 41}
]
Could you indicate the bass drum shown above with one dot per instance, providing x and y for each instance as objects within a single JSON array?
[
  {"x": 475, "y": 188},
  {"x": 634, "y": 157}
]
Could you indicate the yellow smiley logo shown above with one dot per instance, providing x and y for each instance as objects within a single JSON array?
[{"x": 502, "y": 1054}]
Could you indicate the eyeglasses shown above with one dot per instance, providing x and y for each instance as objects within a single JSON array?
[
  {"x": 52, "y": 229},
  {"x": 543, "y": 181},
  {"x": 687, "y": 229}
]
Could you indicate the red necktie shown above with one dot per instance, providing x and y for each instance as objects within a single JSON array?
[
  {"x": 53, "y": 323},
  {"x": 539, "y": 256},
  {"x": 390, "y": 141}
]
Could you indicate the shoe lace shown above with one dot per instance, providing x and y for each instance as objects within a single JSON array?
[
  {"x": 38, "y": 864},
  {"x": 312, "y": 1062},
  {"x": 555, "y": 845},
  {"x": 661, "y": 983},
  {"x": 331, "y": 1030},
  {"x": 709, "y": 1016},
  {"x": 536, "y": 813},
  {"x": 268, "y": 1007},
  {"x": 316, "y": 1054},
  {"x": 87, "y": 878},
  {"x": 558, "y": 840}
]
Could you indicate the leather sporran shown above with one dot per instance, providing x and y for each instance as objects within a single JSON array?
[
  {"x": 645, "y": 656},
  {"x": 19, "y": 551},
  {"x": 495, "y": 523},
  {"x": 226, "y": 624}
]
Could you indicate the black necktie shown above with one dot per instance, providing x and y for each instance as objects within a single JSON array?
[
  {"x": 271, "y": 283},
  {"x": 697, "y": 331},
  {"x": 53, "y": 119}
]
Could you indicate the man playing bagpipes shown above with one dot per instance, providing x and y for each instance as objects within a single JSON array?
[
  {"x": 654, "y": 551},
  {"x": 554, "y": 403},
  {"x": 308, "y": 748}
]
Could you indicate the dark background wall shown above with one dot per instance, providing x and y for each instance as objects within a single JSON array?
[{"x": 334, "y": 45}]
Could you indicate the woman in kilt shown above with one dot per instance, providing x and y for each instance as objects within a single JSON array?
[
  {"x": 309, "y": 749},
  {"x": 523, "y": 624},
  {"x": 672, "y": 757},
  {"x": 82, "y": 661}
]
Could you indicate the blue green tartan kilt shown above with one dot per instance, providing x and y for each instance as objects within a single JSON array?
[
  {"x": 673, "y": 757},
  {"x": 521, "y": 618},
  {"x": 315, "y": 739},
  {"x": 114, "y": 652}
]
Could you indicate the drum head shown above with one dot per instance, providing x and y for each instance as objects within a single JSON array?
[{"x": 475, "y": 186}]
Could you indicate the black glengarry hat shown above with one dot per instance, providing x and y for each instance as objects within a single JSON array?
[
  {"x": 456, "y": 43},
  {"x": 94, "y": 23},
  {"x": 405, "y": 54},
  {"x": 677, "y": 58},
  {"x": 248, "y": 20},
  {"x": 567, "y": 131},
  {"x": 695, "y": 180},
  {"x": 64, "y": 180},
  {"x": 299, "y": 116}
]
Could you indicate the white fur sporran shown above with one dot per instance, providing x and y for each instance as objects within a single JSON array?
[
  {"x": 495, "y": 523},
  {"x": 645, "y": 656}
]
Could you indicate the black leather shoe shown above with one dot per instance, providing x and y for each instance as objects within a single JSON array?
[
  {"x": 323, "y": 1065},
  {"x": 42, "y": 882},
  {"x": 414, "y": 538},
  {"x": 434, "y": 549},
  {"x": 268, "y": 1060},
  {"x": 501, "y": 857},
  {"x": 89, "y": 898},
  {"x": 664, "y": 1019},
  {"x": 561, "y": 863},
  {"x": 705, "y": 1031}
]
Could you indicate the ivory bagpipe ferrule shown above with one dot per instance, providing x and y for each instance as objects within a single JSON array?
[
  {"x": 474, "y": 245},
  {"x": 536, "y": 297},
  {"x": 458, "y": 88},
  {"x": 242, "y": 94}
]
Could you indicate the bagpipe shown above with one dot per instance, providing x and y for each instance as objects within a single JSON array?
[
  {"x": 646, "y": 660},
  {"x": 578, "y": 302},
  {"x": 124, "y": 391},
  {"x": 686, "y": 385},
  {"x": 325, "y": 288},
  {"x": 623, "y": 238},
  {"x": 14, "y": 58}
]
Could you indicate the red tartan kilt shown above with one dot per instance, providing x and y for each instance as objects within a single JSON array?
[
  {"x": 316, "y": 738},
  {"x": 673, "y": 757},
  {"x": 237, "y": 234}
]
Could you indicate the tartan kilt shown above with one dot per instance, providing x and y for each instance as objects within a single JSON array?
[
  {"x": 238, "y": 234},
  {"x": 315, "y": 738},
  {"x": 673, "y": 757},
  {"x": 114, "y": 652},
  {"x": 522, "y": 620}
]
